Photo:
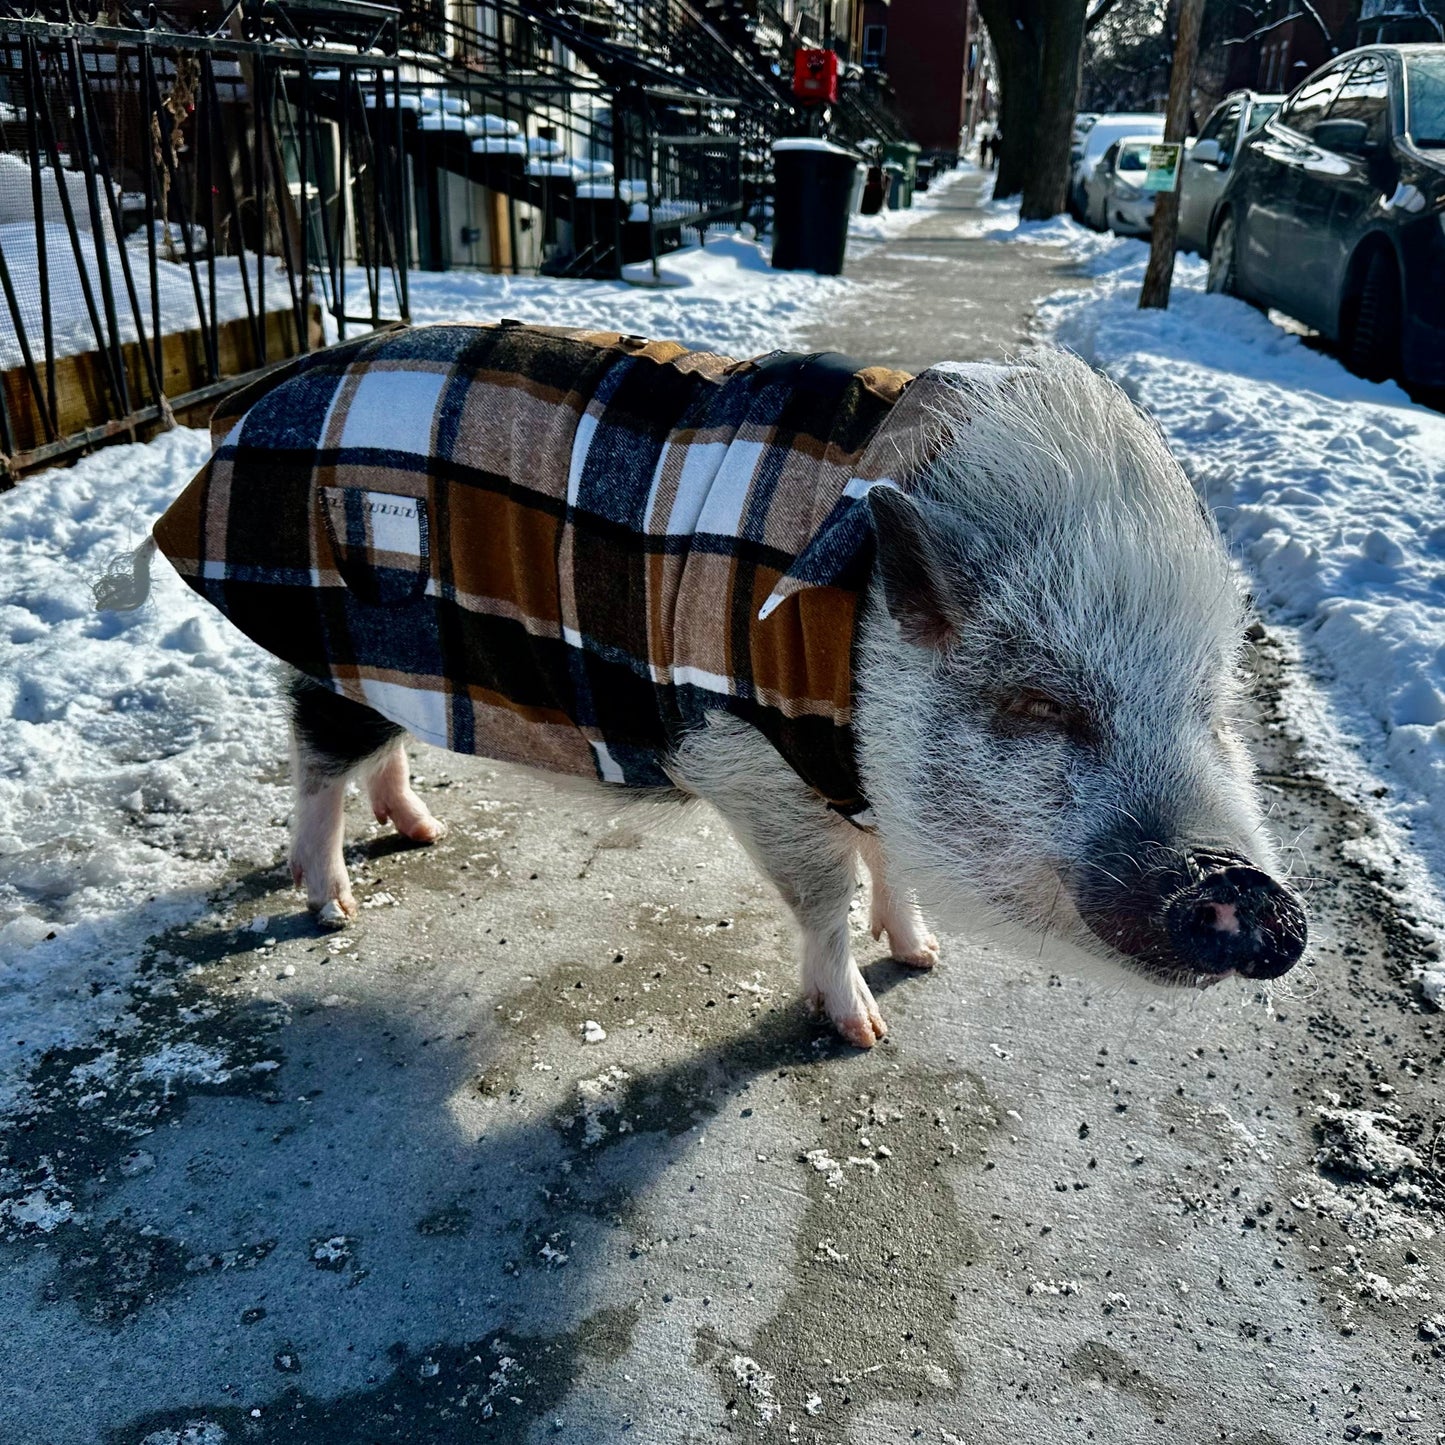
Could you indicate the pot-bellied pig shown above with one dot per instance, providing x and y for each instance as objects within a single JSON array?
[{"x": 972, "y": 627}]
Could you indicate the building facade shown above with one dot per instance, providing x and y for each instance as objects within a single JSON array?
[
  {"x": 1287, "y": 41},
  {"x": 927, "y": 50}
]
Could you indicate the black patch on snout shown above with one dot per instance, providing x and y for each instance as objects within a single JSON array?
[{"x": 1179, "y": 913}]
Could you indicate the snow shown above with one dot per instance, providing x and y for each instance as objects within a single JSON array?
[
  {"x": 1330, "y": 491},
  {"x": 814, "y": 143},
  {"x": 139, "y": 752},
  {"x": 723, "y": 297},
  {"x": 175, "y": 290}
]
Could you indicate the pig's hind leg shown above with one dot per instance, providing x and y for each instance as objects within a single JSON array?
[
  {"x": 808, "y": 853},
  {"x": 332, "y": 740},
  {"x": 895, "y": 913}
]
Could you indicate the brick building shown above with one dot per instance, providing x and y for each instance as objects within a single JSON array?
[
  {"x": 1286, "y": 43},
  {"x": 925, "y": 49}
]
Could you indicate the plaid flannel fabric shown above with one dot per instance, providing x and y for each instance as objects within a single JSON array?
[{"x": 556, "y": 547}]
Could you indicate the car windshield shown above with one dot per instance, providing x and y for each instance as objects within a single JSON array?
[
  {"x": 1425, "y": 99},
  {"x": 1134, "y": 158}
]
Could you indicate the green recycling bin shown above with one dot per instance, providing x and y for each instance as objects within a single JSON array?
[{"x": 902, "y": 155}]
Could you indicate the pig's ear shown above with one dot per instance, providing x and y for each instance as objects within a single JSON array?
[{"x": 909, "y": 566}]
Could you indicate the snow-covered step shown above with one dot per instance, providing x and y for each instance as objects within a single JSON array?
[
  {"x": 433, "y": 99},
  {"x": 445, "y": 121},
  {"x": 499, "y": 145}
]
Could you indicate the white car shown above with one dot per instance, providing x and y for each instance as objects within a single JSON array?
[
  {"x": 1114, "y": 195},
  {"x": 1090, "y": 147}
]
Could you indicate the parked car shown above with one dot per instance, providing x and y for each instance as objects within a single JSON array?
[
  {"x": 1114, "y": 195},
  {"x": 1089, "y": 147},
  {"x": 1207, "y": 161},
  {"x": 1333, "y": 211}
]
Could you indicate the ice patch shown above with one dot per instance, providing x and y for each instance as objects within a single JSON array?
[
  {"x": 826, "y": 1166},
  {"x": 598, "y": 1097},
  {"x": 193, "y": 1432},
  {"x": 758, "y": 1385}
]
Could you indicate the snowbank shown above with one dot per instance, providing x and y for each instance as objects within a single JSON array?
[
  {"x": 139, "y": 753},
  {"x": 175, "y": 290},
  {"x": 1330, "y": 490},
  {"x": 722, "y": 297}
]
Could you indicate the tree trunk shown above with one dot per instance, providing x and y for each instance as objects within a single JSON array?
[
  {"x": 1039, "y": 48},
  {"x": 1013, "y": 28},
  {"x": 1046, "y": 186},
  {"x": 1160, "y": 271}
]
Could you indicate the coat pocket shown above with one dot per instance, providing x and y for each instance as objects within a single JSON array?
[{"x": 381, "y": 542}]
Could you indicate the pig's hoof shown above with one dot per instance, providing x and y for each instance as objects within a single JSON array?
[
  {"x": 410, "y": 817},
  {"x": 336, "y": 912},
  {"x": 862, "y": 1030},
  {"x": 425, "y": 829},
  {"x": 852, "y": 1010},
  {"x": 913, "y": 951}
]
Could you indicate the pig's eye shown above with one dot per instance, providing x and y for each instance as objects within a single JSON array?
[{"x": 1030, "y": 713}]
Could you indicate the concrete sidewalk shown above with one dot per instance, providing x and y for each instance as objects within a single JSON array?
[
  {"x": 943, "y": 291},
  {"x": 380, "y": 1187}
]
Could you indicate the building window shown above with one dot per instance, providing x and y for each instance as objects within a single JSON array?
[{"x": 875, "y": 45}]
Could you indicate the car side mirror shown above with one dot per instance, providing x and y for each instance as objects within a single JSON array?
[
  {"x": 1347, "y": 137},
  {"x": 1207, "y": 153}
]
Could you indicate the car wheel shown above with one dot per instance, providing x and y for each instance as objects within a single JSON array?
[
  {"x": 1221, "y": 259},
  {"x": 1372, "y": 335}
]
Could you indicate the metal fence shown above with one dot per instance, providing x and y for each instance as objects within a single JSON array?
[
  {"x": 192, "y": 191},
  {"x": 188, "y": 196}
]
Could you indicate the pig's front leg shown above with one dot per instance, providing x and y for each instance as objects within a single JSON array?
[
  {"x": 388, "y": 787},
  {"x": 895, "y": 913},
  {"x": 808, "y": 853},
  {"x": 317, "y": 835}
]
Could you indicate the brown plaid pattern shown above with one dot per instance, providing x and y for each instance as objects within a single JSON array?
[{"x": 557, "y": 547}]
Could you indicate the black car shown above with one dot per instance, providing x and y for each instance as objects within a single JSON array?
[{"x": 1335, "y": 212}]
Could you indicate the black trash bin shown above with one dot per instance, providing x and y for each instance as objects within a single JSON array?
[{"x": 816, "y": 184}]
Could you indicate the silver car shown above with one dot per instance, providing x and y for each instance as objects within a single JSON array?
[
  {"x": 1114, "y": 195},
  {"x": 1092, "y": 143},
  {"x": 1207, "y": 161}
]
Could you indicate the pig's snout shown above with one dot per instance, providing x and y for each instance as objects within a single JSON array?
[
  {"x": 1198, "y": 913},
  {"x": 1236, "y": 919}
]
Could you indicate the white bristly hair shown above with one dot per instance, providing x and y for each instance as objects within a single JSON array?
[{"x": 1076, "y": 560}]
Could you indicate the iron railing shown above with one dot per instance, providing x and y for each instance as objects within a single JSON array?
[
  {"x": 525, "y": 156},
  {"x": 194, "y": 190},
  {"x": 189, "y": 194}
]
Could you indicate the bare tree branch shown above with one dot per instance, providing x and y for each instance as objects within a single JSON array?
[
  {"x": 1097, "y": 14},
  {"x": 1323, "y": 28}
]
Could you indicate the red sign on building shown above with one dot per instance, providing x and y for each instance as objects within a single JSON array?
[{"x": 815, "y": 76}]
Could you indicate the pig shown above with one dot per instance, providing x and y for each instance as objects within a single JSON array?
[{"x": 1045, "y": 692}]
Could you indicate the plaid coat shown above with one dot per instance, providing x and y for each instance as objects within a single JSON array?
[{"x": 556, "y": 547}]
